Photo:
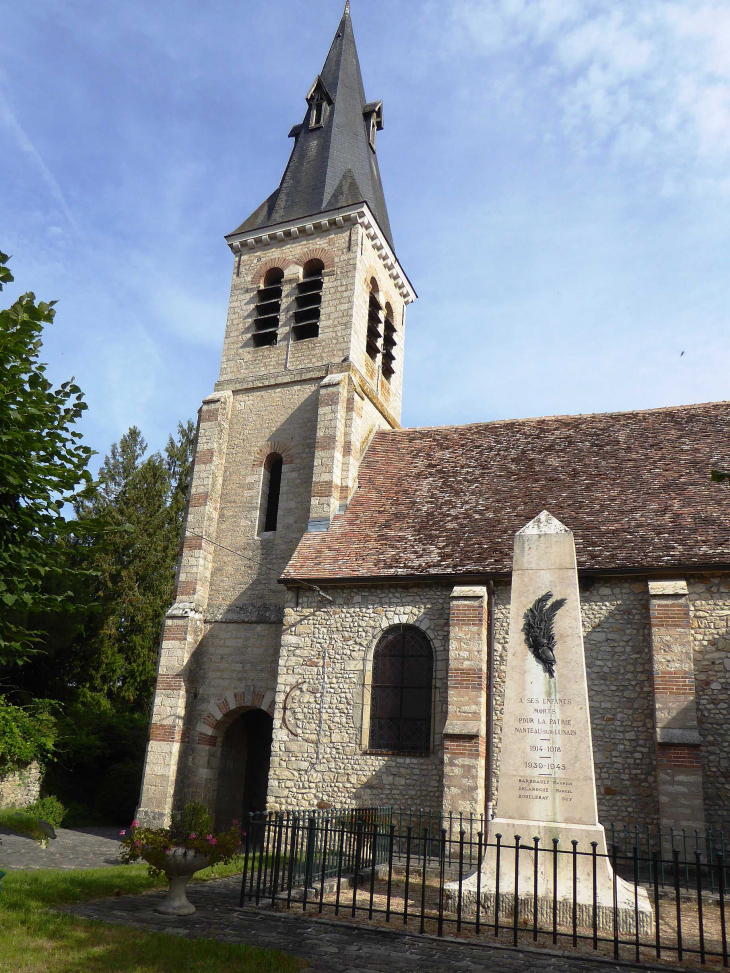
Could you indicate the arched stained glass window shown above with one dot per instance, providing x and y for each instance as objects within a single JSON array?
[{"x": 402, "y": 690}]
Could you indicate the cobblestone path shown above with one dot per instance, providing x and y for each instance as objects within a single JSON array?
[
  {"x": 78, "y": 848},
  {"x": 332, "y": 946}
]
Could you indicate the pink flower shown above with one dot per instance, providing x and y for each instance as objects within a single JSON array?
[
  {"x": 193, "y": 835},
  {"x": 208, "y": 837},
  {"x": 134, "y": 824},
  {"x": 212, "y": 841},
  {"x": 235, "y": 823},
  {"x": 138, "y": 844},
  {"x": 243, "y": 834},
  {"x": 122, "y": 833},
  {"x": 168, "y": 851}
]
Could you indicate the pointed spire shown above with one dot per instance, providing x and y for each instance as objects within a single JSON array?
[{"x": 333, "y": 162}]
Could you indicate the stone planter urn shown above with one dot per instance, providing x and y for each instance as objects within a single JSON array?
[{"x": 180, "y": 866}]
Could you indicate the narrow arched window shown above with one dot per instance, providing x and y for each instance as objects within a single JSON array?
[
  {"x": 268, "y": 308},
  {"x": 389, "y": 343},
  {"x": 402, "y": 692},
  {"x": 270, "y": 493},
  {"x": 309, "y": 301},
  {"x": 375, "y": 321}
]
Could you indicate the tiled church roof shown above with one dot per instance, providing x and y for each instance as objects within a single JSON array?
[{"x": 634, "y": 487}]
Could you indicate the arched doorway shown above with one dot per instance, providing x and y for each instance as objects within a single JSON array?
[{"x": 243, "y": 778}]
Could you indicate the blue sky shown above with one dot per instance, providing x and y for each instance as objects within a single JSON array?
[{"x": 556, "y": 173}]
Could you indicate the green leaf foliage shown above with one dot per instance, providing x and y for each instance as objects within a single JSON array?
[
  {"x": 43, "y": 467},
  {"x": 144, "y": 497},
  {"x": 5, "y": 274},
  {"x": 27, "y": 733},
  {"x": 99, "y": 757},
  {"x": 110, "y": 650}
]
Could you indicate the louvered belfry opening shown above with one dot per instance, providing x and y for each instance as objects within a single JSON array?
[
  {"x": 400, "y": 711},
  {"x": 375, "y": 322},
  {"x": 268, "y": 309},
  {"x": 389, "y": 343},
  {"x": 309, "y": 301}
]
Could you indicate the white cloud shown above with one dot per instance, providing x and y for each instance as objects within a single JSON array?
[{"x": 647, "y": 82}]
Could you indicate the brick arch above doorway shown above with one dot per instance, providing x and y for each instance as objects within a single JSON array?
[{"x": 223, "y": 710}]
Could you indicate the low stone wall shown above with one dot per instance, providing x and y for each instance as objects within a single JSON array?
[{"x": 22, "y": 787}]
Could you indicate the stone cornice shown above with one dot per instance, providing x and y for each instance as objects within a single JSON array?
[
  {"x": 359, "y": 213},
  {"x": 300, "y": 375}
]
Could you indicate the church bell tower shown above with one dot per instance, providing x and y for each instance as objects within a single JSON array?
[{"x": 312, "y": 367}]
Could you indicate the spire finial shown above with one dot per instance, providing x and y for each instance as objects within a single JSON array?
[{"x": 347, "y": 7}]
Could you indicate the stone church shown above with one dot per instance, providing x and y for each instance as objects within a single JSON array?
[{"x": 340, "y": 617}]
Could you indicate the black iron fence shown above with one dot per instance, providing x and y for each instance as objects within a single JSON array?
[{"x": 650, "y": 895}]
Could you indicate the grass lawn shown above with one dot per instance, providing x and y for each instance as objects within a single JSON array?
[
  {"x": 34, "y": 940},
  {"x": 22, "y": 822}
]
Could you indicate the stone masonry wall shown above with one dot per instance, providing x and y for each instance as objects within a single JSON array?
[
  {"x": 618, "y": 663},
  {"x": 283, "y": 419},
  {"x": 232, "y": 669},
  {"x": 710, "y": 618},
  {"x": 320, "y": 743},
  {"x": 21, "y": 787},
  {"x": 351, "y": 259},
  {"x": 616, "y": 630}
]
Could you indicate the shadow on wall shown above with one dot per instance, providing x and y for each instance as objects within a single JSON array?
[
  {"x": 243, "y": 774},
  {"x": 620, "y": 695},
  {"x": 271, "y": 549},
  {"x": 404, "y": 782},
  {"x": 218, "y": 774}
]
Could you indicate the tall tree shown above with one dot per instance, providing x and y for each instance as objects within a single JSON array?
[
  {"x": 43, "y": 468},
  {"x": 144, "y": 496}
]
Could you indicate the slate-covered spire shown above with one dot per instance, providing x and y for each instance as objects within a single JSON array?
[{"x": 333, "y": 162}]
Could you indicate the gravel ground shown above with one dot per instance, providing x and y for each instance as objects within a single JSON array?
[{"x": 332, "y": 947}]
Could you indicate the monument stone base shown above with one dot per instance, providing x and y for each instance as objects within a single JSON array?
[{"x": 618, "y": 904}]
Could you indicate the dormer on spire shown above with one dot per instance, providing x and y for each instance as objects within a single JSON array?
[
  {"x": 334, "y": 161},
  {"x": 318, "y": 99},
  {"x": 373, "y": 113}
]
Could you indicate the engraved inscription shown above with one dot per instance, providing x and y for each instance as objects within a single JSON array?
[{"x": 546, "y": 721}]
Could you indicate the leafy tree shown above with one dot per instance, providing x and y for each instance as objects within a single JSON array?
[
  {"x": 27, "y": 733},
  {"x": 136, "y": 567},
  {"x": 98, "y": 760},
  {"x": 43, "y": 467}
]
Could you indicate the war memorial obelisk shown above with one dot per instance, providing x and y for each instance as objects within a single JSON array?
[{"x": 546, "y": 781}]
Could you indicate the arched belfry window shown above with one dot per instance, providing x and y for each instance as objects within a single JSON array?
[
  {"x": 375, "y": 321},
  {"x": 270, "y": 493},
  {"x": 268, "y": 308},
  {"x": 402, "y": 692},
  {"x": 309, "y": 301},
  {"x": 389, "y": 343}
]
